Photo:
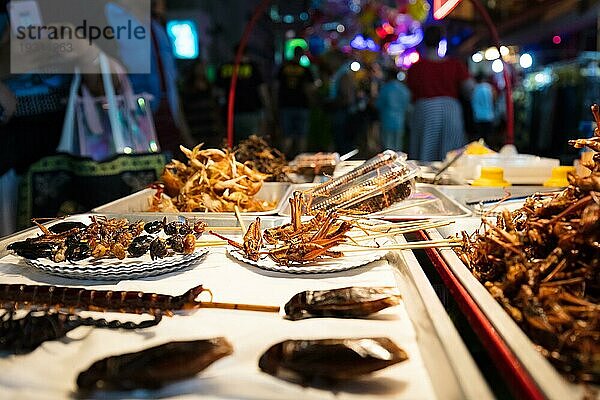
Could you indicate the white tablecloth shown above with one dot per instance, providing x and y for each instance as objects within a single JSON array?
[{"x": 51, "y": 370}]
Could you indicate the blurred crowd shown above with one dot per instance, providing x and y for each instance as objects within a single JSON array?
[
  {"x": 338, "y": 103},
  {"x": 342, "y": 103}
]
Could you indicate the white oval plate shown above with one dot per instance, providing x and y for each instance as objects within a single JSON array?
[
  {"x": 326, "y": 266},
  {"x": 114, "y": 269}
]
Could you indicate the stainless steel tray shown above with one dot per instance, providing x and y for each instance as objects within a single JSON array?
[
  {"x": 536, "y": 367},
  {"x": 137, "y": 203},
  {"x": 451, "y": 369},
  {"x": 442, "y": 206},
  {"x": 465, "y": 194},
  {"x": 438, "y": 357}
]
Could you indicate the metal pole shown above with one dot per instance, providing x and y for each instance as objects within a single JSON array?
[
  {"x": 510, "y": 114},
  {"x": 260, "y": 9}
]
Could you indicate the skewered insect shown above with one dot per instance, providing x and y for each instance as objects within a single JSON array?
[
  {"x": 306, "y": 361},
  {"x": 348, "y": 302},
  {"x": 74, "y": 241},
  {"x": 25, "y": 334},
  {"x": 14, "y": 296},
  {"x": 154, "y": 367}
]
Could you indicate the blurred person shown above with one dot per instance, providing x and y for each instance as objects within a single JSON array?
[
  {"x": 482, "y": 103},
  {"x": 201, "y": 107},
  {"x": 252, "y": 100},
  {"x": 392, "y": 103},
  {"x": 161, "y": 82},
  {"x": 436, "y": 84},
  {"x": 32, "y": 107},
  {"x": 343, "y": 100},
  {"x": 294, "y": 85}
]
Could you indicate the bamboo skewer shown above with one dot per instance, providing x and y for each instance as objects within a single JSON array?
[
  {"x": 244, "y": 307},
  {"x": 239, "y": 218},
  {"x": 211, "y": 243},
  {"x": 222, "y": 228},
  {"x": 424, "y": 244},
  {"x": 398, "y": 231},
  {"x": 404, "y": 206},
  {"x": 406, "y": 224}
]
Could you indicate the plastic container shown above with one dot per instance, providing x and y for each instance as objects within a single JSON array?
[
  {"x": 367, "y": 192},
  {"x": 311, "y": 164},
  {"x": 520, "y": 169},
  {"x": 559, "y": 176},
  {"x": 381, "y": 159},
  {"x": 491, "y": 176}
]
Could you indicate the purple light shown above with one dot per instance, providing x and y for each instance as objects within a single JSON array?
[
  {"x": 360, "y": 43},
  {"x": 442, "y": 48}
]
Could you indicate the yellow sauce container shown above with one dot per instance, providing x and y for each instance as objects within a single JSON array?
[
  {"x": 491, "y": 176},
  {"x": 559, "y": 176}
]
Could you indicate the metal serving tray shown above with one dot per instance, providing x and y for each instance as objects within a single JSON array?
[
  {"x": 442, "y": 207},
  {"x": 530, "y": 373},
  {"x": 438, "y": 356},
  {"x": 468, "y": 196},
  {"x": 137, "y": 203}
]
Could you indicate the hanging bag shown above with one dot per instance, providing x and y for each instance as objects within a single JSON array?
[
  {"x": 104, "y": 126},
  {"x": 111, "y": 152}
]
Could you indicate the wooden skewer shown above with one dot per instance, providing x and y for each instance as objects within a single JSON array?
[
  {"x": 404, "y": 206},
  {"x": 403, "y": 225},
  {"x": 397, "y": 231},
  {"x": 222, "y": 228},
  {"x": 408, "y": 246},
  {"x": 245, "y": 307},
  {"x": 239, "y": 218},
  {"x": 210, "y": 243}
]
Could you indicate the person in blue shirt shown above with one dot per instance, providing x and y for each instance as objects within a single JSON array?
[
  {"x": 393, "y": 102},
  {"x": 482, "y": 102}
]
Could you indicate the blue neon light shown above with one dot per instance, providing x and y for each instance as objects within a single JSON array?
[{"x": 184, "y": 36}]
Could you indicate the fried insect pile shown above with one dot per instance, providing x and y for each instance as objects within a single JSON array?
[
  {"x": 256, "y": 153},
  {"x": 542, "y": 264},
  {"x": 212, "y": 180},
  {"x": 110, "y": 238},
  {"x": 297, "y": 242}
]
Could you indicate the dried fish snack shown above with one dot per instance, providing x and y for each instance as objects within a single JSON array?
[
  {"x": 256, "y": 153},
  {"x": 211, "y": 181},
  {"x": 154, "y": 367},
  {"x": 348, "y": 302},
  {"x": 542, "y": 264},
  {"x": 329, "y": 360}
]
